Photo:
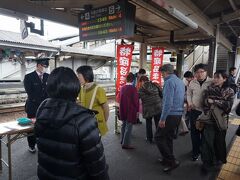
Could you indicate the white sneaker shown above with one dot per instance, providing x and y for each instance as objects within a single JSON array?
[{"x": 32, "y": 150}]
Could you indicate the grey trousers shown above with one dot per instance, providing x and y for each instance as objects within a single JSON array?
[{"x": 126, "y": 133}]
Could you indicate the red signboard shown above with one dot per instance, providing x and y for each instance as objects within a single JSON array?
[
  {"x": 157, "y": 61},
  {"x": 124, "y": 60}
]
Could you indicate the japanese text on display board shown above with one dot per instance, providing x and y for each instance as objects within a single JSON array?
[{"x": 115, "y": 20}]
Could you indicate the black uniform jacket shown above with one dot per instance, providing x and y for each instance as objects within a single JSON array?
[{"x": 36, "y": 91}]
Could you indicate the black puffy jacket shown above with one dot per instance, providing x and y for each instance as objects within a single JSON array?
[{"x": 69, "y": 144}]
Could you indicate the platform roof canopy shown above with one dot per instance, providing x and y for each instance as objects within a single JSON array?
[{"x": 155, "y": 21}]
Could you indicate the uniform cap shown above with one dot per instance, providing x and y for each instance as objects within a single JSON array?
[{"x": 43, "y": 61}]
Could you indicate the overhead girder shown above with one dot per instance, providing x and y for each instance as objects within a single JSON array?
[{"x": 196, "y": 15}]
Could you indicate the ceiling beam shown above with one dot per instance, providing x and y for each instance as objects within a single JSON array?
[
  {"x": 137, "y": 38},
  {"x": 176, "y": 38},
  {"x": 156, "y": 10},
  {"x": 231, "y": 28},
  {"x": 225, "y": 42},
  {"x": 195, "y": 14},
  {"x": 192, "y": 12},
  {"x": 226, "y": 18},
  {"x": 233, "y": 5},
  {"x": 166, "y": 46},
  {"x": 72, "y": 3},
  {"x": 25, "y": 7},
  {"x": 195, "y": 42}
]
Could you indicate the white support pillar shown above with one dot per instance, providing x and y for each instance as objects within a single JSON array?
[
  {"x": 143, "y": 56},
  {"x": 237, "y": 60},
  {"x": 23, "y": 68},
  {"x": 216, "y": 48},
  {"x": 112, "y": 74}
]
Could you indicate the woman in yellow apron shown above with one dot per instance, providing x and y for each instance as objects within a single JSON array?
[{"x": 93, "y": 97}]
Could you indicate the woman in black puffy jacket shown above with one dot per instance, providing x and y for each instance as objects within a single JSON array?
[{"x": 68, "y": 140}]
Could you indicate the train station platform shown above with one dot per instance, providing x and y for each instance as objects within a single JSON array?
[{"x": 138, "y": 164}]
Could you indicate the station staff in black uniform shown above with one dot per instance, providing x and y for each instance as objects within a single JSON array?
[{"x": 35, "y": 86}]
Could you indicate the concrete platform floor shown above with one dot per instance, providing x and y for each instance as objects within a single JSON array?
[{"x": 138, "y": 164}]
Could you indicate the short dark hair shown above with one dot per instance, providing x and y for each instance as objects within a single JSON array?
[
  {"x": 144, "y": 79},
  {"x": 87, "y": 73},
  {"x": 142, "y": 71},
  {"x": 232, "y": 69},
  {"x": 130, "y": 77},
  {"x": 200, "y": 66},
  {"x": 167, "y": 68},
  {"x": 223, "y": 73},
  {"x": 63, "y": 84},
  {"x": 188, "y": 74}
]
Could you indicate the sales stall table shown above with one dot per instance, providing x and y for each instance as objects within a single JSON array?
[{"x": 12, "y": 131}]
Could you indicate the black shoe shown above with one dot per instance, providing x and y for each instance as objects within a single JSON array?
[
  {"x": 173, "y": 165},
  {"x": 195, "y": 158},
  {"x": 162, "y": 161},
  {"x": 149, "y": 140},
  {"x": 206, "y": 168},
  {"x": 138, "y": 121}
]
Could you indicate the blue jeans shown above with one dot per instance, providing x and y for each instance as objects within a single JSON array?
[{"x": 126, "y": 133}]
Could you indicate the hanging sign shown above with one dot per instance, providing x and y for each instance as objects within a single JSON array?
[
  {"x": 124, "y": 60},
  {"x": 111, "y": 21},
  {"x": 23, "y": 29},
  {"x": 157, "y": 61}
]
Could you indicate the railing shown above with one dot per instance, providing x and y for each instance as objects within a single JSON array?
[{"x": 197, "y": 56}]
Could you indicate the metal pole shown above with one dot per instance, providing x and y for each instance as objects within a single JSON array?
[
  {"x": 116, "y": 130},
  {"x": 0, "y": 154},
  {"x": 9, "y": 157}
]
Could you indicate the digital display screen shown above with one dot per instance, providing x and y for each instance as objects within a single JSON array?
[{"x": 112, "y": 21}]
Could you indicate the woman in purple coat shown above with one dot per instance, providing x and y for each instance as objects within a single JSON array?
[{"x": 128, "y": 110}]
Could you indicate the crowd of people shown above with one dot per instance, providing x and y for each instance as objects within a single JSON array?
[
  {"x": 200, "y": 105},
  {"x": 72, "y": 111}
]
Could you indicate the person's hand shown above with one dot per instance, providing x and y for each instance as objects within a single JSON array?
[
  {"x": 33, "y": 120},
  {"x": 161, "y": 124},
  {"x": 191, "y": 107},
  {"x": 210, "y": 101}
]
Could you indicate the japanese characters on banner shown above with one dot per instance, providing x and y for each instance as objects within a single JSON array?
[
  {"x": 157, "y": 61},
  {"x": 124, "y": 60}
]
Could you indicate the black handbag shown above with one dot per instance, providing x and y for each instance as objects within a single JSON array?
[
  {"x": 238, "y": 131},
  {"x": 238, "y": 109}
]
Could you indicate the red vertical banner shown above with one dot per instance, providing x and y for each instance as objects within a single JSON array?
[
  {"x": 157, "y": 61},
  {"x": 124, "y": 60}
]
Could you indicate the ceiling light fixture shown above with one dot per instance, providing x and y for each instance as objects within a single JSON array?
[{"x": 180, "y": 16}]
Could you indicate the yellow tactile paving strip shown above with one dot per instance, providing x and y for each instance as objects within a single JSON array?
[
  {"x": 231, "y": 170},
  {"x": 235, "y": 121}
]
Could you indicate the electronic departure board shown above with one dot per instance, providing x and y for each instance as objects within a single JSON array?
[{"x": 112, "y": 21}]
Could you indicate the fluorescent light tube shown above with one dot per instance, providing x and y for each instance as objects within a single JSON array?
[{"x": 180, "y": 16}]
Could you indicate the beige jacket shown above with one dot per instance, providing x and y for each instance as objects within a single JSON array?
[{"x": 195, "y": 93}]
